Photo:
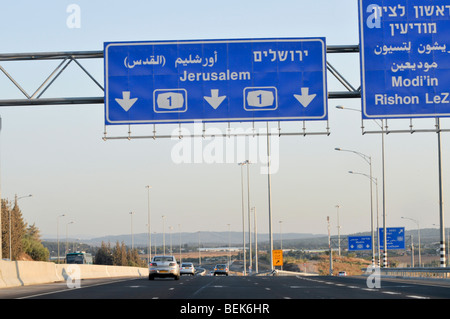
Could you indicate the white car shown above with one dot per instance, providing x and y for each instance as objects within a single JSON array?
[
  {"x": 342, "y": 273},
  {"x": 187, "y": 269},
  {"x": 163, "y": 266}
]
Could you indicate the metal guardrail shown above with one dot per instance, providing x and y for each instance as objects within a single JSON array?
[{"x": 419, "y": 272}]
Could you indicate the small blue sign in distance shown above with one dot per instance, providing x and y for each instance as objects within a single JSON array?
[
  {"x": 356, "y": 243},
  {"x": 395, "y": 237},
  {"x": 215, "y": 81},
  {"x": 405, "y": 58}
]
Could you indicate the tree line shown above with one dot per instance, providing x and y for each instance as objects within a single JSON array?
[
  {"x": 119, "y": 255},
  {"x": 20, "y": 241}
]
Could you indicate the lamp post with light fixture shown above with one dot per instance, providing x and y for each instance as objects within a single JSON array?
[{"x": 368, "y": 159}]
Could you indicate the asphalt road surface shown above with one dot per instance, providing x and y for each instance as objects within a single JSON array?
[
  {"x": 228, "y": 297},
  {"x": 235, "y": 288}
]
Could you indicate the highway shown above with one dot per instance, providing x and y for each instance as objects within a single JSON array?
[{"x": 235, "y": 288}]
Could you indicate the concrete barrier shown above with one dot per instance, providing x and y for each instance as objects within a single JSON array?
[{"x": 22, "y": 273}]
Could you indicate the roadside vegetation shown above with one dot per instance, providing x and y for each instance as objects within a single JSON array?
[
  {"x": 20, "y": 241},
  {"x": 119, "y": 255}
]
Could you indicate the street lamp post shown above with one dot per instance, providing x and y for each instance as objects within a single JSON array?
[
  {"x": 247, "y": 162},
  {"x": 281, "y": 234},
  {"x": 243, "y": 217},
  {"x": 164, "y": 234},
  {"x": 383, "y": 180},
  {"x": 375, "y": 181},
  {"x": 441, "y": 198},
  {"x": 418, "y": 228},
  {"x": 10, "y": 222},
  {"x": 368, "y": 159},
  {"x": 148, "y": 225},
  {"x": 269, "y": 196},
  {"x": 329, "y": 247},
  {"x": 339, "y": 231},
  {"x": 67, "y": 232},
  {"x": 170, "y": 237},
  {"x": 256, "y": 241},
  {"x": 249, "y": 219},
  {"x": 57, "y": 234},
  {"x": 199, "y": 254},
  {"x": 229, "y": 245},
  {"x": 281, "y": 240},
  {"x": 131, "y": 223},
  {"x": 179, "y": 237}
]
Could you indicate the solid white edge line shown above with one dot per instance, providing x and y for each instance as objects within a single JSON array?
[{"x": 71, "y": 289}]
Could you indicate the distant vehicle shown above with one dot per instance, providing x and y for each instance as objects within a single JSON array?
[
  {"x": 187, "y": 269},
  {"x": 163, "y": 266},
  {"x": 342, "y": 273},
  {"x": 221, "y": 269},
  {"x": 79, "y": 257}
]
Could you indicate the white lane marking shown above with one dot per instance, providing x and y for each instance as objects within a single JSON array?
[
  {"x": 71, "y": 289},
  {"x": 417, "y": 297},
  {"x": 366, "y": 289},
  {"x": 390, "y": 293},
  {"x": 202, "y": 288}
]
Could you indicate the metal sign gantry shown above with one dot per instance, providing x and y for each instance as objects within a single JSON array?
[
  {"x": 36, "y": 97},
  {"x": 75, "y": 56}
]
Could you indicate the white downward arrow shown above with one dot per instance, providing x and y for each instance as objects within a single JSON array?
[
  {"x": 305, "y": 98},
  {"x": 215, "y": 100},
  {"x": 126, "y": 103}
]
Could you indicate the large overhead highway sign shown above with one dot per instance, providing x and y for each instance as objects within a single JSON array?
[
  {"x": 215, "y": 81},
  {"x": 405, "y": 58}
]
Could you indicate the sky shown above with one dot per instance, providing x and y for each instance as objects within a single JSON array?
[{"x": 56, "y": 153}]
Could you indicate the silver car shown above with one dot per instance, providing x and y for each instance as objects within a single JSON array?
[
  {"x": 163, "y": 266},
  {"x": 187, "y": 269},
  {"x": 221, "y": 269}
]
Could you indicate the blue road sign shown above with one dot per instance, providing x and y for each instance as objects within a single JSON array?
[
  {"x": 215, "y": 81},
  {"x": 356, "y": 243},
  {"x": 405, "y": 58},
  {"x": 395, "y": 237}
]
